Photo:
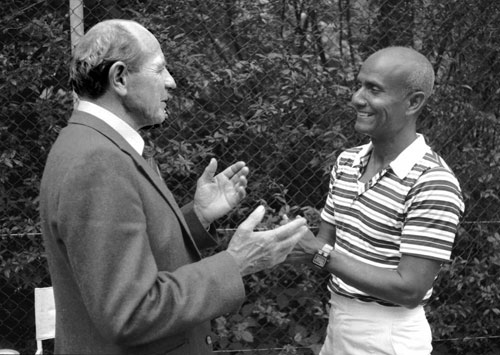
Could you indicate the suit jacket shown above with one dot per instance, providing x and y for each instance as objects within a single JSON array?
[{"x": 124, "y": 259}]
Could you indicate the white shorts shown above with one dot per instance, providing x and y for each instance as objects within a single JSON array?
[{"x": 363, "y": 328}]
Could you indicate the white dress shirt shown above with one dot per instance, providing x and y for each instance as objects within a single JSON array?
[{"x": 128, "y": 133}]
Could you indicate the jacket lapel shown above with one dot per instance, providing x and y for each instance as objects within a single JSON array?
[{"x": 100, "y": 126}]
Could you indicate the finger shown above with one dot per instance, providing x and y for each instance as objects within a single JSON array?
[
  {"x": 253, "y": 219},
  {"x": 241, "y": 192},
  {"x": 241, "y": 185},
  {"x": 288, "y": 244},
  {"x": 237, "y": 169},
  {"x": 284, "y": 219},
  {"x": 209, "y": 172},
  {"x": 295, "y": 238},
  {"x": 296, "y": 259},
  {"x": 240, "y": 178},
  {"x": 283, "y": 232}
]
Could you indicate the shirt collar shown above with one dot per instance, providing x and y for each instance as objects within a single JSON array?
[
  {"x": 405, "y": 161},
  {"x": 363, "y": 155},
  {"x": 128, "y": 133}
]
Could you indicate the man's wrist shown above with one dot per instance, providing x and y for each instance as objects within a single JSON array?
[
  {"x": 197, "y": 210},
  {"x": 321, "y": 258}
]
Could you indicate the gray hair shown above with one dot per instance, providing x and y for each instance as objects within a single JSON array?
[{"x": 104, "y": 44}]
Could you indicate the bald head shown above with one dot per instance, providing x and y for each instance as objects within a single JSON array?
[
  {"x": 104, "y": 44},
  {"x": 414, "y": 66}
]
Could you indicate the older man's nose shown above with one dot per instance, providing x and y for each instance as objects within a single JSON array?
[{"x": 169, "y": 81}]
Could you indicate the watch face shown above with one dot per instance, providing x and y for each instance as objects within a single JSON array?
[{"x": 319, "y": 260}]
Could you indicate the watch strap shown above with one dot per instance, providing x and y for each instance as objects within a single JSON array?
[
  {"x": 322, "y": 256},
  {"x": 326, "y": 250}
]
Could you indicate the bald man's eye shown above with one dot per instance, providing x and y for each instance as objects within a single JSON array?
[{"x": 355, "y": 88}]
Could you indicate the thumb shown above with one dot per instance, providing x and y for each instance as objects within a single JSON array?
[
  {"x": 255, "y": 218},
  {"x": 209, "y": 172}
]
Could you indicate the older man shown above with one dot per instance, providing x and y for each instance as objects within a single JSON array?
[
  {"x": 390, "y": 217},
  {"x": 124, "y": 259}
]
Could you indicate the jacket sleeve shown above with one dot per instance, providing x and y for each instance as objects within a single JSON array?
[
  {"x": 102, "y": 222},
  {"x": 202, "y": 237}
]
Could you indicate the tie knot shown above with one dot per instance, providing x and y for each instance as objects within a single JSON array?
[{"x": 148, "y": 153}]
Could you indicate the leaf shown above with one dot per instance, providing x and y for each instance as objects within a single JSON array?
[
  {"x": 246, "y": 336},
  {"x": 282, "y": 300}
]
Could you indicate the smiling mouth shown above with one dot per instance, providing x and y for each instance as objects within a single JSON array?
[{"x": 364, "y": 114}]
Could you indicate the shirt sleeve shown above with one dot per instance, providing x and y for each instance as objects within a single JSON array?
[
  {"x": 436, "y": 207},
  {"x": 328, "y": 212}
]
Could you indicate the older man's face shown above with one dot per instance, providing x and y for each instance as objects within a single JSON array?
[{"x": 148, "y": 88}]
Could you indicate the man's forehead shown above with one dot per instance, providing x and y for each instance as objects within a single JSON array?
[{"x": 383, "y": 69}]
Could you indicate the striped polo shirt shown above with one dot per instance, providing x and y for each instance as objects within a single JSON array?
[{"x": 411, "y": 207}]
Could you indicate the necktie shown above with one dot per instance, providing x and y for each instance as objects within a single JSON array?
[{"x": 152, "y": 162}]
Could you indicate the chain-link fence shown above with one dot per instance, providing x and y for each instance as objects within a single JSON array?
[{"x": 266, "y": 82}]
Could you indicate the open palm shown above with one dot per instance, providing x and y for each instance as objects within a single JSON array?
[{"x": 216, "y": 195}]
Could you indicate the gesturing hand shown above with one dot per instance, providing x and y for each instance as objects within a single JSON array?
[
  {"x": 216, "y": 195},
  {"x": 255, "y": 251}
]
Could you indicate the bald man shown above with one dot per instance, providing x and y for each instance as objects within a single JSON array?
[
  {"x": 124, "y": 259},
  {"x": 390, "y": 217}
]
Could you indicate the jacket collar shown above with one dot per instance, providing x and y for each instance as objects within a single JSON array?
[
  {"x": 100, "y": 126},
  {"x": 131, "y": 135}
]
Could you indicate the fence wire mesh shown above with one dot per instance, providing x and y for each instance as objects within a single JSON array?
[{"x": 266, "y": 82}]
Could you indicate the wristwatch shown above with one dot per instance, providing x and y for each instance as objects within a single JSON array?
[{"x": 322, "y": 256}]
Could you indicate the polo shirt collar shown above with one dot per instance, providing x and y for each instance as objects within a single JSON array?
[
  {"x": 404, "y": 162},
  {"x": 407, "y": 159}
]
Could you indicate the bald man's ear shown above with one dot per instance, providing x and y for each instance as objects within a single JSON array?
[
  {"x": 416, "y": 102},
  {"x": 117, "y": 77}
]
